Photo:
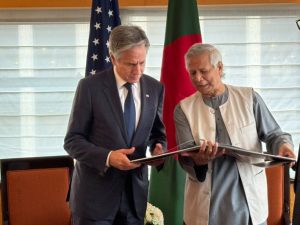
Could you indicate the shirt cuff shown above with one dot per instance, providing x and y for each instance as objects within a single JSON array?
[{"x": 107, "y": 160}]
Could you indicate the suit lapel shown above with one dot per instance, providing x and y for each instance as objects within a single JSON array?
[
  {"x": 112, "y": 95},
  {"x": 145, "y": 98},
  {"x": 113, "y": 99}
]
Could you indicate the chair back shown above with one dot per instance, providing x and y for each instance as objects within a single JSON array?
[
  {"x": 278, "y": 180},
  {"x": 34, "y": 190},
  {"x": 296, "y": 212}
]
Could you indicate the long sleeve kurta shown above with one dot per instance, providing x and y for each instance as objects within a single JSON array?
[{"x": 228, "y": 204}]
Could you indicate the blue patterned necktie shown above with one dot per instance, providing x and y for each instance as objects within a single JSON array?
[{"x": 129, "y": 113}]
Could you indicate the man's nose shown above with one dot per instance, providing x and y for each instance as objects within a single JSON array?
[
  {"x": 198, "y": 76},
  {"x": 137, "y": 69}
]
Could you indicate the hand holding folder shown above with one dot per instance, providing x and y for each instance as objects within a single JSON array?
[{"x": 268, "y": 160}]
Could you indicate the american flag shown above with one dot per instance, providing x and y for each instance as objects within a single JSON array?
[{"x": 104, "y": 17}]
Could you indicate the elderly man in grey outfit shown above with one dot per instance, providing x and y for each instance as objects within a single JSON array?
[{"x": 221, "y": 189}]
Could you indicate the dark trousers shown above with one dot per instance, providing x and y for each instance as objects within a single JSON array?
[
  {"x": 118, "y": 221},
  {"x": 124, "y": 216}
]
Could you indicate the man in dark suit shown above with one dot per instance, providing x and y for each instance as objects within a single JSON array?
[{"x": 107, "y": 189}]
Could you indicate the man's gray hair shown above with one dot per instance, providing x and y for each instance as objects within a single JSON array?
[
  {"x": 199, "y": 49},
  {"x": 125, "y": 37}
]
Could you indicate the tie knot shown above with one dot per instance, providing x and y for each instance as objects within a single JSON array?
[{"x": 128, "y": 86}]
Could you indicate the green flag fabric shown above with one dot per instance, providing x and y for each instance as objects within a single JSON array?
[{"x": 182, "y": 30}]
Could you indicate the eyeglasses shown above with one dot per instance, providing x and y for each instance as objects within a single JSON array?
[{"x": 298, "y": 23}]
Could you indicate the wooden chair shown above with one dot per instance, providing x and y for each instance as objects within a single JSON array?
[
  {"x": 278, "y": 195},
  {"x": 34, "y": 190}
]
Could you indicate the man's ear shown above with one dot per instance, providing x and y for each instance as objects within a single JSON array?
[
  {"x": 112, "y": 58},
  {"x": 220, "y": 66}
]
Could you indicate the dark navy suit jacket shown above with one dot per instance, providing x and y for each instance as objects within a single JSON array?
[{"x": 95, "y": 128}]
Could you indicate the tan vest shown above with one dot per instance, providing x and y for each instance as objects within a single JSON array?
[{"x": 239, "y": 120}]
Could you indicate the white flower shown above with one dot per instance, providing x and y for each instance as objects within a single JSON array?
[{"x": 153, "y": 216}]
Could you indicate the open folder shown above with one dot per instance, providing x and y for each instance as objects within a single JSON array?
[{"x": 268, "y": 160}]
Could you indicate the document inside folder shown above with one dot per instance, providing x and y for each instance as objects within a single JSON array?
[{"x": 268, "y": 159}]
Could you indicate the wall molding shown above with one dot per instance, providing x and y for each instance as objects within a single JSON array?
[{"x": 125, "y": 3}]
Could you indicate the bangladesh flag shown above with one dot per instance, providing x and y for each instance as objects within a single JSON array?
[{"x": 182, "y": 30}]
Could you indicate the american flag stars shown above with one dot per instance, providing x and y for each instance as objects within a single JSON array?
[
  {"x": 108, "y": 29},
  {"x": 110, "y": 13},
  {"x": 96, "y": 41},
  {"x": 94, "y": 57},
  {"x": 107, "y": 59},
  {"x": 104, "y": 17},
  {"x": 98, "y": 10},
  {"x": 97, "y": 26}
]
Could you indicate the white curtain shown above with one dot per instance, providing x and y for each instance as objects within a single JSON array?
[{"x": 41, "y": 61}]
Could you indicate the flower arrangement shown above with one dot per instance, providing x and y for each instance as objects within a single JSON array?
[{"x": 153, "y": 215}]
